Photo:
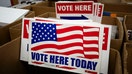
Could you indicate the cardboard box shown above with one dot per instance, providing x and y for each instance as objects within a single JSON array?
[
  {"x": 15, "y": 31},
  {"x": 126, "y": 56},
  {"x": 9, "y": 54},
  {"x": 10, "y": 63},
  {"x": 115, "y": 64},
  {"x": 4, "y": 31},
  {"x": 121, "y": 14},
  {"x": 40, "y": 10},
  {"x": 41, "y": 4},
  {"x": 120, "y": 9},
  {"x": 25, "y": 3},
  {"x": 30, "y": 14},
  {"x": 14, "y": 2},
  {"x": 46, "y": 3},
  {"x": 47, "y": 15},
  {"x": 27, "y": 7},
  {"x": 127, "y": 24},
  {"x": 126, "y": 1},
  {"x": 117, "y": 42},
  {"x": 109, "y": 1}
]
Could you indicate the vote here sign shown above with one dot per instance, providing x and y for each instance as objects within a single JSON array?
[
  {"x": 24, "y": 39},
  {"x": 70, "y": 46},
  {"x": 74, "y": 10}
]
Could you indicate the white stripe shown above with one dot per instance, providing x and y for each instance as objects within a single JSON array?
[
  {"x": 69, "y": 33},
  {"x": 91, "y": 30},
  {"x": 76, "y": 55},
  {"x": 91, "y": 53},
  {"x": 90, "y": 38},
  {"x": 90, "y": 45},
  {"x": 58, "y": 43},
  {"x": 62, "y": 50}
]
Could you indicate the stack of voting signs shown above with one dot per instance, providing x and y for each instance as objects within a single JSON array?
[
  {"x": 79, "y": 10},
  {"x": 75, "y": 45}
]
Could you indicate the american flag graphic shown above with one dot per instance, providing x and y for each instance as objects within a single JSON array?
[
  {"x": 71, "y": 40},
  {"x": 68, "y": 40}
]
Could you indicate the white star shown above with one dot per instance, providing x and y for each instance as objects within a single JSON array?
[
  {"x": 45, "y": 35},
  {"x": 42, "y": 28},
  {"x": 34, "y": 31},
  {"x": 36, "y": 37},
  {"x": 35, "y": 23},
  {"x": 51, "y": 36},
  {"x": 43, "y": 38},
  {"x": 53, "y": 33},
  {"x": 34, "y": 40},
  {"x": 53, "y": 28},
  {"x": 54, "y": 38},
  {"x": 37, "y": 33},
  {"x": 47, "y": 27},
  {"x": 33, "y": 26},
  {"x": 39, "y": 30},
  {"x": 45, "y": 30},
  {"x": 33, "y": 34},
  {"x": 50, "y": 30},
  {"x": 36, "y": 28}
]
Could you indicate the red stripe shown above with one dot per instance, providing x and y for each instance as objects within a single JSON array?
[
  {"x": 66, "y": 53},
  {"x": 65, "y": 67},
  {"x": 56, "y": 46},
  {"x": 106, "y": 31},
  {"x": 91, "y": 72},
  {"x": 91, "y": 33},
  {"x": 25, "y": 30},
  {"x": 35, "y": 62},
  {"x": 92, "y": 56}
]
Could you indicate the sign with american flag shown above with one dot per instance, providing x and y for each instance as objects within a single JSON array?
[
  {"x": 105, "y": 49},
  {"x": 99, "y": 12},
  {"x": 24, "y": 39},
  {"x": 25, "y": 34},
  {"x": 73, "y": 47}
]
